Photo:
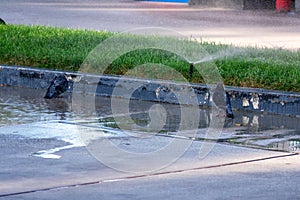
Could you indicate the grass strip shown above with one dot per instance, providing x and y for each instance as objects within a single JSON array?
[{"x": 66, "y": 49}]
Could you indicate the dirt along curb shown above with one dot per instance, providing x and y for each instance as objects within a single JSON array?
[{"x": 247, "y": 99}]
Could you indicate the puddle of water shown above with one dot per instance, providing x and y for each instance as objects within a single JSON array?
[
  {"x": 21, "y": 106},
  {"x": 290, "y": 145},
  {"x": 39, "y": 133}
]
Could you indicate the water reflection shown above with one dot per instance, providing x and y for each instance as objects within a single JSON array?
[
  {"x": 59, "y": 106},
  {"x": 291, "y": 146},
  {"x": 20, "y": 105}
]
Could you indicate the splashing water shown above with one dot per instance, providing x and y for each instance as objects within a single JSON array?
[{"x": 222, "y": 54}]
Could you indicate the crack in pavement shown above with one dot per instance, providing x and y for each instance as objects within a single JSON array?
[{"x": 147, "y": 175}]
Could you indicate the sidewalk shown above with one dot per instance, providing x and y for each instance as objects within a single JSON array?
[
  {"x": 228, "y": 172},
  {"x": 57, "y": 159}
]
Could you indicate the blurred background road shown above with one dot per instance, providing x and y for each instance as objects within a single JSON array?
[{"x": 265, "y": 28}]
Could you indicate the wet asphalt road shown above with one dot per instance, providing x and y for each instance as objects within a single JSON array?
[{"x": 227, "y": 172}]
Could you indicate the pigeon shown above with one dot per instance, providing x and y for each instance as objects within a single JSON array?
[
  {"x": 222, "y": 99},
  {"x": 2, "y": 22},
  {"x": 57, "y": 86}
]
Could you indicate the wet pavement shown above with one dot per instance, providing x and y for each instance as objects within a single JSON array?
[
  {"x": 49, "y": 150},
  {"x": 251, "y": 129}
]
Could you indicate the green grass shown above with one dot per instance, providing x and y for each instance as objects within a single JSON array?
[
  {"x": 67, "y": 49},
  {"x": 46, "y": 47}
]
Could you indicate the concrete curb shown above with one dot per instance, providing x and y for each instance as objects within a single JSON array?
[{"x": 249, "y": 99}]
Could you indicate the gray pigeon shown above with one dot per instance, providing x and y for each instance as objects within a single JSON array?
[
  {"x": 57, "y": 86},
  {"x": 222, "y": 99}
]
